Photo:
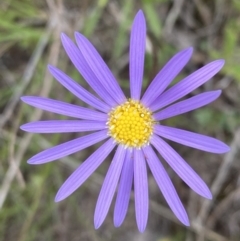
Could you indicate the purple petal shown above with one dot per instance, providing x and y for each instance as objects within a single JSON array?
[
  {"x": 137, "y": 53},
  {"x": 165, "y": 185},
  {"x": 82, "y": 66},
  {"x": 140, "y": 190},
  {"x": 63, "y": 108},
  {"x": 185, "y": 172},
  {"x": 67, "y": 148},
  {"x": 78, "y": 90},
  {"x": 109, "y": 186},
  {"x": 124, "y": 190},
  {"x": 191, "y": 139},
  {"x": 187, "y": 85},
  {"x": 82, "y": 173},
  {"x": 166, "y": 75},
  {"x": 99, "y": 68},
  {"x": 187, "y": 105},
  {"x": 63, "y": 126}
]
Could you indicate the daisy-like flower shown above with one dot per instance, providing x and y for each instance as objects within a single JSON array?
[{"x": 131, "y": 125}]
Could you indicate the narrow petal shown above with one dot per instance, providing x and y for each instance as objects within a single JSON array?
[
  {"x": 185, "y": 172},
  {"x": 63, "y": 126},
  {"x": 78, "y": 90},
  {"x": 82, "y": 66},
  {"x": 166, "y": 76},
  {"x": 136, "y": 54},
  {"x": 187, "y": 85},
  {"x": 82, "y": 173},
  {"x": 67, "y": 148},
  {"x": 99, "y": 68},
  {"x": 109, "y": 186},
  {"x": 62, "y": 108},
  {"x": 165, "y": 185},
  {"x": 191, "y": 139},
  {"x": 140, "y": 190},
  {"x": 124, "y": 190},
  {"x": 187, "y": 105}
]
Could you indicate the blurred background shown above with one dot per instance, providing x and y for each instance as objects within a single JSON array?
[{"x": 30, "y": 39}]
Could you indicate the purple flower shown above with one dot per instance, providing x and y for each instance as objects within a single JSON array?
[{"x": 131, "y": 125}]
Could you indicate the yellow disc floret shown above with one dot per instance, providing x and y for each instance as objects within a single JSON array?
[{"x": 131, "y": 124}]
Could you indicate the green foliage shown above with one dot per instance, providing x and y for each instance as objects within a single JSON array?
[
  {"x": 236, "y": 4},
  {"x": 16, "y": 23},
  {"x": 230, "y": 50},
  {"x": 152, "y": 18},
  {"x": 122, "y": 38},
  {"x": 92, "y": 19},
  {"x": 213, "y": 121}
]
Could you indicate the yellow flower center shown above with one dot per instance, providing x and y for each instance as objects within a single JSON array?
[{"x": 131, "y": 124}]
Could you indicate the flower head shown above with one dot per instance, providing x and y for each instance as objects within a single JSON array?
[{"x": 131, "y": 125}]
